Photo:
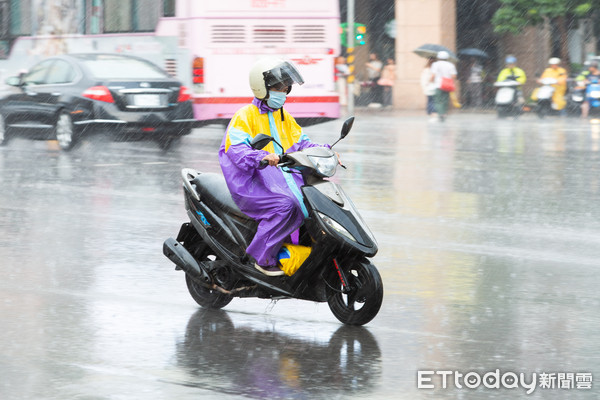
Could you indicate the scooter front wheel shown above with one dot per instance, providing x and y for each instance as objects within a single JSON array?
[
  {"x": 206, "y": 297},
  {"x": 359, "y": 300}
]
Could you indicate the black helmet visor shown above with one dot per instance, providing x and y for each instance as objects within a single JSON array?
[{"x": 283, "y": 74}]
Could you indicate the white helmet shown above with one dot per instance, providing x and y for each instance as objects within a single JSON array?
[
  {"x": 554, "y": 61},
  {"x": 269, "y": 72},
  {"x": 443, "y": 55}
]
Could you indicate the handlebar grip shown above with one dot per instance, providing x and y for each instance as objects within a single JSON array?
[{"x": 263, "y": 163}]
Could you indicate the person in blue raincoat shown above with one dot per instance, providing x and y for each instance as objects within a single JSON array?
[{"x": 269, "y": 195}]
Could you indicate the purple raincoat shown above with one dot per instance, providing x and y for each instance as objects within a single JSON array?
[{"x": 271, "y": 196}]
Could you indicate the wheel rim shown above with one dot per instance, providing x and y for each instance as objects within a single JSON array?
[
  {"x": 355, "y": 299},
  {"x": 64, "y": 131},
  {"x": 362, "y": 303}
]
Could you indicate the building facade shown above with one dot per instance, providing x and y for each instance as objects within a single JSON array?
[{"x": 419, "y": 22}]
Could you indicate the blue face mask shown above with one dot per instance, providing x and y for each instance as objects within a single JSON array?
[{"x": 276, "y": 100}]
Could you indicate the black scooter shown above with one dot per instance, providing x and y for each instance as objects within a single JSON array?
[{"x": 210, "y": 249}]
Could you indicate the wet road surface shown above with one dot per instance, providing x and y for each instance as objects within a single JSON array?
[{"x": 489, "y": 236}]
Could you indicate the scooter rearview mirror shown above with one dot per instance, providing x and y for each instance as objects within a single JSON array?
[
  {"x": 260, "y": 141},
  {"x": 345, "y": 129}
]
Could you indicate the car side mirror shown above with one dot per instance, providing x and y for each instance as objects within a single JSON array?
[
  {"x": 13, "y": 81},
  {"x": 260, "y": 141}
]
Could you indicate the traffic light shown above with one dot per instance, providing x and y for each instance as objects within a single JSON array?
[
  {"x": 360, "y": 31},
  {"x": 359, "y": 34}
]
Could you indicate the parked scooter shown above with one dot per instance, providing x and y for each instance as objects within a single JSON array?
[
  {"x": 211, "y": 248},
  {"x": 509, "y": 100},
  {"x": 544, "y": 97}
]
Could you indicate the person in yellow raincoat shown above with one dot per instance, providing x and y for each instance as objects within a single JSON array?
[
  {"x": 557, "y": 72},
  {"x": 511, "y": 70}
]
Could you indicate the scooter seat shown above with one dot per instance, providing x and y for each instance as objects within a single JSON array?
[{"x": 213, "y": 190}]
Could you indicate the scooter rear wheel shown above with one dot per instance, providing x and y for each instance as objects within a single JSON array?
[
  {"x": 504, "y": 111},
  {"x": 206, "y": 297},
  {"x": 362, "y": 302},
  {"x": 543, "y": 110}
]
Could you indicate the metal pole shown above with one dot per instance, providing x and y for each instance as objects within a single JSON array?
[{"x": 350, "y": 58}]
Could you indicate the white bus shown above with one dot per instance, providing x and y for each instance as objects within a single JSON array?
[{"x": 210, "y": 46}]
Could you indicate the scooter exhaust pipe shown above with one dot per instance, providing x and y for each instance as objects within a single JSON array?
[{"x": 184, "y": 260}]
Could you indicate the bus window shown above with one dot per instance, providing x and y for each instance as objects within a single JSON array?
[{"x": 130, "y": 15}]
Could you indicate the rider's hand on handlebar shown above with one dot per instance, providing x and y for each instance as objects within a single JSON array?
[{"x": 272, "y": 159}]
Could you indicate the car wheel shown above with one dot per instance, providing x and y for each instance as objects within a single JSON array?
[
  {"x": 168, "y": 142},
  {"x": 3, "y": 131},
  {"x": 65, "y": 132}
]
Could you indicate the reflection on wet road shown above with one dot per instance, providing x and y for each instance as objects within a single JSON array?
[
  {"x": 489, "y": 236},
  {"x": 262, "y": 362}
]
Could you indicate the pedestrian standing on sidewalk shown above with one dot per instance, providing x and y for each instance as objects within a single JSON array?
[
  {"x": 474, "y": 84},
  {"x": 428, "y": 88},
  {"x": 374, "y": 67},
  {"x": 388, "y": 77},
  {"x": 341, "y": 73},
  {"x": 443, "y": 72}
]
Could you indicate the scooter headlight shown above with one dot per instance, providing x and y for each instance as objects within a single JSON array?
[
  {"x": 333, "y": 224},
  {"x": 325, "y": 166}
]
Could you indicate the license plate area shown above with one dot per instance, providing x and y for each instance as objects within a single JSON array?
[{"x": 146, "y": 100}]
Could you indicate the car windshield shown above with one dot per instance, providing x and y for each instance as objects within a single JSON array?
[{"x": 123, "y": 68}]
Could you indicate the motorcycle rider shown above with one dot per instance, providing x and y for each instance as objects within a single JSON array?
[
  {"x": 557, "y": 72},
  {"x": 511, "y": 69},
  {"x": 583, "y": 80},
  {"x": 269, "y": 195}
]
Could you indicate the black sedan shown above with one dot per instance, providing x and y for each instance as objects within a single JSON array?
[{"x": 68, "y": 96}]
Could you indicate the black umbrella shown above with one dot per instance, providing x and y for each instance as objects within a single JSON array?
[
  {"x": 430, "y": 51},
  {"x": 472, "y": 52}
]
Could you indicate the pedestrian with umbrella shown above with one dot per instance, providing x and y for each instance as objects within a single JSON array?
[
  {"x": 474, "y": 76},
  {"x": 444, "y": 76},
  {"x": 473, "y": 84},
  {"x": 428, "y": 87},
  {"x": 472, "y": 52},
  {"x": 430, "y": 50}
]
